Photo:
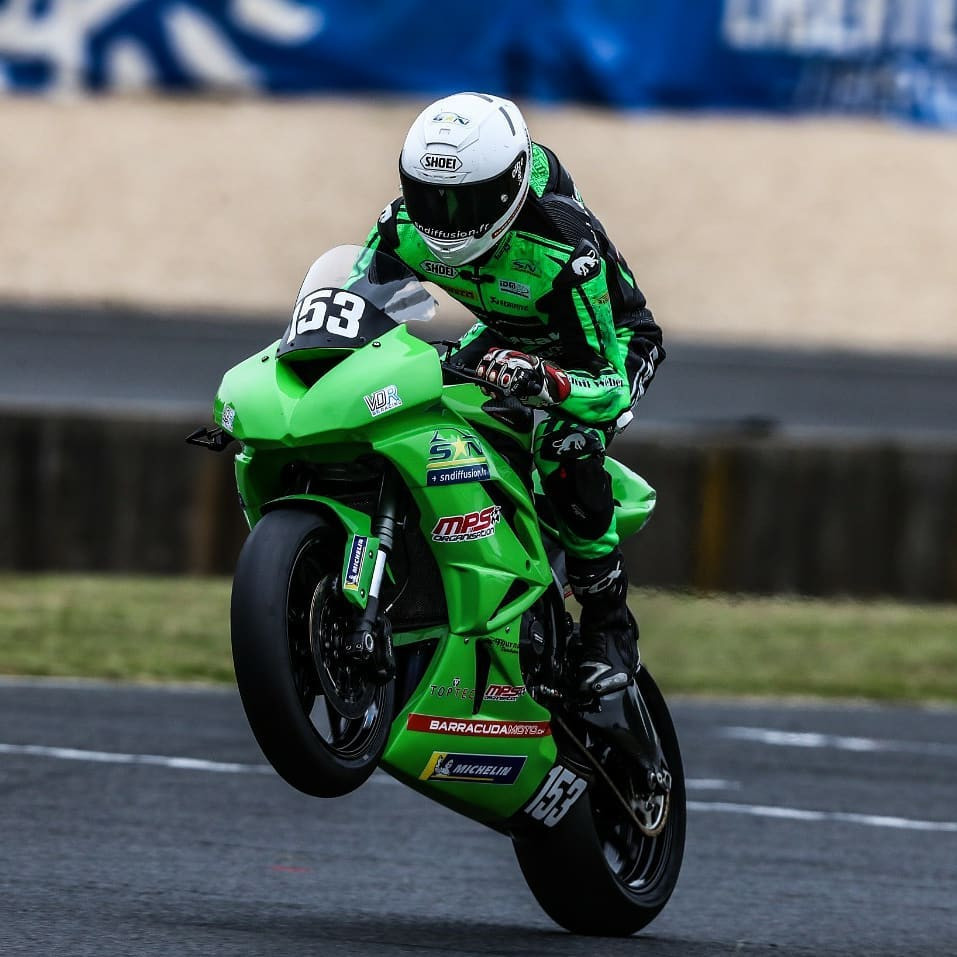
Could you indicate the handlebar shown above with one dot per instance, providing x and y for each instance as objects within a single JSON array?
[{"x": 465, "y": 376}]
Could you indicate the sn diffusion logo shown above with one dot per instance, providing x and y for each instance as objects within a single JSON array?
[{"x": 468, "y": 527}]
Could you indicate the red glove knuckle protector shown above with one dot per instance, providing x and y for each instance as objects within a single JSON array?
[
  {"x": 525, "y": 376},
  {"x": 560, "y": 386}
]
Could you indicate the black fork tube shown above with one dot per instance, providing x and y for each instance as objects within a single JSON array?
[{"x": 362, "y": 640}]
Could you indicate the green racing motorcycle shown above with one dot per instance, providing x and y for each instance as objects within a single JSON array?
[{"x": 400, "y": 601}]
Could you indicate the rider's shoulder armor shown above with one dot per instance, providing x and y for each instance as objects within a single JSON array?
[
  {"x": 555, "y": 211},
  {"x": 388, "y": 225}
]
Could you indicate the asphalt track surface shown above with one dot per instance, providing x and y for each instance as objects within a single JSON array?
[
  {"x": 135, "y": 363},
  {"x": 142, "y": 821}
]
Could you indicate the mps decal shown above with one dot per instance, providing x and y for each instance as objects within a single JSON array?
[
  {"x": 454, "y": 458},
  {"x": 469, "y": 527},
  {"x": 473, "y": 768},
  {"x": 504, "y": 692}
]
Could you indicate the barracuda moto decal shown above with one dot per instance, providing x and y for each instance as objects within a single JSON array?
[
  {"x": 478, "y": 727},
  {"x": 473, "y": 768},
  {"x": 455, "y": 457}
]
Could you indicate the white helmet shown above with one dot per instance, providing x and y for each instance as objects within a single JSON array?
[{"x": 465, "y": 169}]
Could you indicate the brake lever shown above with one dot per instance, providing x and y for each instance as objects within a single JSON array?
[{"x": 483, "y": 384}]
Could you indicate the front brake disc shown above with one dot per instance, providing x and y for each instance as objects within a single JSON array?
[{"x": 344, "y": 679}]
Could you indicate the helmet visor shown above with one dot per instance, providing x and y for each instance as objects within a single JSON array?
[{"x": 447, "y": 212}]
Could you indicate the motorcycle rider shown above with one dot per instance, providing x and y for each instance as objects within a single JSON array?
[{"x": 497, "y": 222}]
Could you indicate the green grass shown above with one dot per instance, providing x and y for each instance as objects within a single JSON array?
[
  {"x": 176, "y": 629},
  {"x": 884, "y": 651},
  {"x": 135, "y": 629}
]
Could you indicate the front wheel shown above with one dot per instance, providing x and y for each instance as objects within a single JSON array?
[
  {"x": 603, "y": 871},
  {"x": 320, "y": 719}
]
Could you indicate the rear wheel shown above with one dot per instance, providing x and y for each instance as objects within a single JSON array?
[
  {"x": 603, "y": 870},
  {"x": 320, "y": 719}
]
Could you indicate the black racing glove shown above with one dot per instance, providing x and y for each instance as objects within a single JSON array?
[{"x": 532, "y": 380}]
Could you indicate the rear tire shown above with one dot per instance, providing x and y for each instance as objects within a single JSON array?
[
  {"x": 595, "y": 872},
  {"x": 324, "y": 735}
]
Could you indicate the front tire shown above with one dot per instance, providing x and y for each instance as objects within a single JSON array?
[
  {"x": 596, "y": 872},
  {"x": 319, "y": 719}
]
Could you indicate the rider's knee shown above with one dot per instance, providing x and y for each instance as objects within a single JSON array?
[{"x": 580, "y": 491}]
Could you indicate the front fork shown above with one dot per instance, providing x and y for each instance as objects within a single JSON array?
[{"x": 371, "y": 639}]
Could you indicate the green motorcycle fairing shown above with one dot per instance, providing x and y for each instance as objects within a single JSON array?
[{"x": 470, "y": 735}]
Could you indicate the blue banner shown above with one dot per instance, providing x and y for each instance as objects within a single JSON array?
[{"x": 878, "y": 57}]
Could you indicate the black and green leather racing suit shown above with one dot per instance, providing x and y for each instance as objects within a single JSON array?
[{"x": 554, "y": 286}]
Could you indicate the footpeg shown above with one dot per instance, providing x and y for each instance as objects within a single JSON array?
[{"x": 623, "y": 718}]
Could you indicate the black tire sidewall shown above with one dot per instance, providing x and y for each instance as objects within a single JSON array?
[
  {"x": 565, "y": 866},
  {"x": 262, "y": 658}
]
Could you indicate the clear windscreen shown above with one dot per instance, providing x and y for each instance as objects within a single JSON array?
[{"x": 380, "y": 280}]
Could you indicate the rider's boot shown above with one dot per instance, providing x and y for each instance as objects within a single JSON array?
[{"x": 609, "y": 634}]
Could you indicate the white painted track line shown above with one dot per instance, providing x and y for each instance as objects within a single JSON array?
[
  {"x": 804, "y": 739},
  {"x": 825, "y": 817},
  {"x": 701, "y": 784},
  {"x": 110, "y": 757}
]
